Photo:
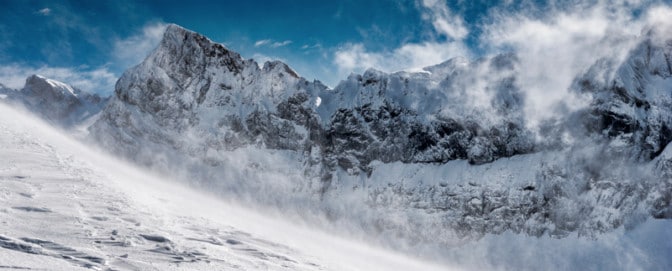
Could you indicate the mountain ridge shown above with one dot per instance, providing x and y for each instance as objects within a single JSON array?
[
  {"x": 200, "y": 111},
  {"x": 59, "y": 103}
]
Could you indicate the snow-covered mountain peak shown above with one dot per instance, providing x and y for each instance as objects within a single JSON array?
[
  {"x": 185, "y": 53},
  {"x": 279, "y": 67},
  {"x": 174, "y": 29},
  {"x": 188, "y": 72},
  {"x": 40, "y": 85},
  {"x": 57, "y": 102},
  {"x": 177, "y": 36}
]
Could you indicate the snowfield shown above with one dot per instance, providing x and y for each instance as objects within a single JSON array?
[{"x": 64, "y": 206}]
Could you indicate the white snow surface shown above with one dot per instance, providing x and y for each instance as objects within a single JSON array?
[{"x": 64, "y": 206}]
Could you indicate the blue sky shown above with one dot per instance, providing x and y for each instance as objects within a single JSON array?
[{"x": 90, "y": 43}]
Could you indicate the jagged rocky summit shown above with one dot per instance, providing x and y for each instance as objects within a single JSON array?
[
  {"x": 428, "y": 155},
  {"x": 56, "y": 102}
]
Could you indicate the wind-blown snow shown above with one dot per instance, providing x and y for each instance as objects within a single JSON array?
[{"x": 66, "y": 207}]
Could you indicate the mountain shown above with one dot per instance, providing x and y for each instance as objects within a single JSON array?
[
  {"x": 440, "y": 155},
  {"x": 56, "y": 102}
]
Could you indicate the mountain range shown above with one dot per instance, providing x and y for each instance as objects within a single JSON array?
[{"x": 444, "y": 154}]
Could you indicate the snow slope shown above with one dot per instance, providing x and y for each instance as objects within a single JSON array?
[{"x": 64, "y": 206}]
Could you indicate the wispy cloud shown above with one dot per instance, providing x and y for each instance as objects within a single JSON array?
[
  {"x": 44, "y": 11},
  {"x": 554, "y": 48},
  {"x": 444, "y": 21},
  {"x": 260, "y": 43},
  {"x": 271, "y": 43},
  {"x": 261, "y": 58},
  {"x": 355, "y": 57},
  {"x": 100, "y": 80},
  {"x": 311, "y": 46},
  {"x": 281, "y": 43},
  {"x": 132, "y": 50},
  {"x": 553, "y": 45}
]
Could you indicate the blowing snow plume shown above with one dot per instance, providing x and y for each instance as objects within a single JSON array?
[
  {"x": 67, "y": 206},
  {"x": 544, "y": 140}
]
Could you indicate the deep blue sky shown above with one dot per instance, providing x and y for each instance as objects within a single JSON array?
[{"x": 85, "y": 36}]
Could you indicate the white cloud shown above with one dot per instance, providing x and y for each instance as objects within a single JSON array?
[
  {"x": 125, "y": 53},
  {"x": 659, "y": 17},
  {"x": 132, "y": 50},
  {"x": 317, "y": 46},
  {"x": 443, "y": 20},
  {"x": 271, "y": 43},
  {"x": 261, "y": 58},
  {"x": 261, "y": 43},
  {"x": 281, "y": 43},
  {"x": 354, "y": 57},
  {"x": 44, "y": 11},
  {"x": 555, "y": 48},
  {"x": 99, "y": 80}
]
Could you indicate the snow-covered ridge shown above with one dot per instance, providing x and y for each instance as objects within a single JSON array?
[
  {"x": 37, "y": 84},
  {"x": 390, "y": 143},
  {"x": 55, "y": 101},
  {"x": 63, "y": 87}
]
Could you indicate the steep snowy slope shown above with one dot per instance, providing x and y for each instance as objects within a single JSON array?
[
  {"x": 56, "y": 102},
  {"x": 433, "y": 156},
  {"x": 65, "y": 207}
]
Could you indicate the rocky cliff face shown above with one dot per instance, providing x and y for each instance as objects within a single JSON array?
[
  {"x": 54, "y": 101},
  {"x": 440, "y": 154}
]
